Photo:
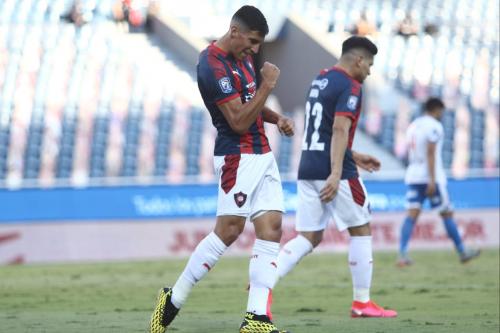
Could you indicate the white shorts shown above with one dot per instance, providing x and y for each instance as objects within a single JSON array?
[
  {"x": 349, "y": 208},
  {"x": 249, "y": 184},
  {"x": 416, "y": 196}
]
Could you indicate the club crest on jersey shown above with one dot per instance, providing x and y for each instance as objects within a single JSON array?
[
  {"x": 225, "y": 85},
  {"x": 240, "y": 198},
  {"x": 352, "y": 102}
]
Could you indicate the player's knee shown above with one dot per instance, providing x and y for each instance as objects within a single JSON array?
[
  {"x": 314, "y": 238},
  {"x": 414, "y": 213},
  {"x": 446, "y": 214},
  {"x": 233, "y": 232},
  {"x": 318, "y": 237},
  {"x": 228, "y": 231},
  {"x": 359, "y": 231},
  {"x": 270, "y": 234},
  {"x": 268, "y": 226}
]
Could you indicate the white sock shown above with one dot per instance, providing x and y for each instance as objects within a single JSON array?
[
  {"x": 263, "y": 276},
  {"x": 361, "y": 264},
  {"x": 292, "y": 253},
  {"x": 204, "y": 257}
]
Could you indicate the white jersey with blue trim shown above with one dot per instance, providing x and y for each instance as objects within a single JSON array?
[{"x": 423, "y": 130}]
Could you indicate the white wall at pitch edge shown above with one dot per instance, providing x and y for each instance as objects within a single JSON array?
[{"x": 149, "y": 239}]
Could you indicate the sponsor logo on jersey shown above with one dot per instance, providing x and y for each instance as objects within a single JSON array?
[
  {"x": 352, "y": 102},
  {"x": 240, "y": 198},
  {"x": 225, "y": 85},
  {"x": 320, "y": 83},
  {"x": 251, "y": 87}
]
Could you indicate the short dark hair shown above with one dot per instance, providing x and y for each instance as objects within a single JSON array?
[
  {"x": 433, "y": 103},
  {"x": 359, "y": 42},
  {"x": 253, "y": 18}
]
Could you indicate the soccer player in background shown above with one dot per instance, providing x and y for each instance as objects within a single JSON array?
[
  {"x": 249, "y": 182},
  {"x": 328, "y": 183},
  {"x": 426, "y": 178}
]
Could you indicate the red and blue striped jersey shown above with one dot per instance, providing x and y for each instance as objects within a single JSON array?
[
  {"x": 332, "y": 93},
  {"x": 221, "y": 78}
]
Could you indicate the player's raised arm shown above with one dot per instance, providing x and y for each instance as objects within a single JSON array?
[{"x": 241, "y": 116}]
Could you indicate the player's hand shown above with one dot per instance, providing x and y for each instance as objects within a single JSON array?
[
  {"x": 285, "y": 126},
  {"x": 329, "y": 191},
  {"x": 367, "y": 162},
  {"x": 431, "y": 189},
  {"x": 270, "y": 74}
]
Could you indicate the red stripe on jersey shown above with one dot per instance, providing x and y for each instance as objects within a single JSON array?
[
  {"x": 229, "y": 172},
  {"x": 216, "y": 64},
  {"x": 356, "y": 88},
  {"x": 262, "y": 135},
  {"x": 246, "y": 143},
  {"x": 227, "y": 99},
  {"x": 358, "y": 194},
  {"x": 353, "y": 80},
  {"x": 352, "y": 130},
  {"x": 346, "y": 114},
  {"x": 249, "y": 77},
  {"x": 236, "y": 78}
]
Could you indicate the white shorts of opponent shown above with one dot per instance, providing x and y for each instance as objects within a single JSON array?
[
  {"x": 349, "y": 208},
  {"x": 249, "y": 185}
]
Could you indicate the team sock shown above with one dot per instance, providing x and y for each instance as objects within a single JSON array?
[
  {"x": 263, "y": 276},
  {"x": 406, "y": 231},
  {"x": 204, "y": 257},
  {"x": 451, "y": 229},
  {"x": 361, "y": 265},
  {"x": 292, "y": 253}
]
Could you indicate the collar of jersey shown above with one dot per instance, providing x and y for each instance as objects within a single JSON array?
[
  {"x": 220, "y": 51},
  {"x": 338, "y": 69}
]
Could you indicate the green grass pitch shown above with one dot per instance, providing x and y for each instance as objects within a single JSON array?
[{"x": 436, "y": 295}]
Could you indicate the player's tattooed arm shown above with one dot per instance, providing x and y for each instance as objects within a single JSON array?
[
  {"x": 366, "y": 162},
  {"x": 285, "y": 125}
]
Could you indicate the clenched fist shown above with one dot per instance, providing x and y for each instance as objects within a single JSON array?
[{"x": 270, "y": 74}]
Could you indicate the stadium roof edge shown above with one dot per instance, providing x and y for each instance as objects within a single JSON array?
[
  {"x": 175, "y": 35},
  {"x": 322, "y": 39}
]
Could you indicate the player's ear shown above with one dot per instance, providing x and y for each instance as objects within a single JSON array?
[
  {"x": 234, "y": 30},
  {"x": 358, "y": 60}
]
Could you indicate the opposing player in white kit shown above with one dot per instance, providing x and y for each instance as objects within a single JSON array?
[
  {"x": 249, "y": 182},
  {"x": 426, "y": 178},
  {"x": 328, "y": 182}
]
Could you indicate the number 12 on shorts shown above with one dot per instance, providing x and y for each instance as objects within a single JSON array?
[{"x": 316, "y": 112}]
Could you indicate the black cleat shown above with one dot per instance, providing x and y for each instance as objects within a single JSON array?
[
  {"x": 164, "y": 312},
  {"x": 253, "y": 323}
]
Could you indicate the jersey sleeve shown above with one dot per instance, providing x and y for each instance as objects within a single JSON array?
[
  {"x": 347, "y": 103},
  {"x": 434, "y": 134},
  {"x": 220, "y": 82}
]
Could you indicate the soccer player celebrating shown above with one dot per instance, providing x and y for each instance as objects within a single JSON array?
[
  {"x": 249, "y": 182},
  {"x": 328, "y": 182},
  {"x": 425, "y": 177}
]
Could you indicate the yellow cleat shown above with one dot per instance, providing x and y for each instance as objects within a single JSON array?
[
  {"x": 164, "y": 312},
  {"x": 253, "y": 323}
]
